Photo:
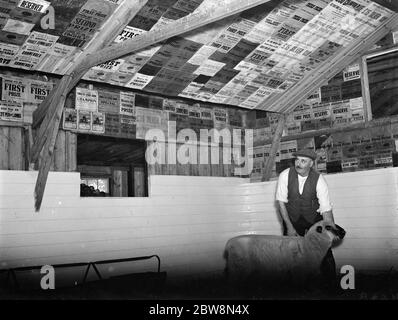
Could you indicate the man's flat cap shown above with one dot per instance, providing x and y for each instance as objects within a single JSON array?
[{"x": 306, "y": 153}]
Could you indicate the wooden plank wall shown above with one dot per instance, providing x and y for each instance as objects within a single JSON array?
[
  {"x": 14, "y": 143},
  {"x": 186, "y": 221},
  {"x": 218, "y": 169},
  {"x": 12, "y": 148}
]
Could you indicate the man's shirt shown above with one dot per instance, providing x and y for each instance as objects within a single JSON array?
[{"x": 322, "y": 190}]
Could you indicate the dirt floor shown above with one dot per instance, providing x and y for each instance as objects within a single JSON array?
[{"x": 157, "y": 287}]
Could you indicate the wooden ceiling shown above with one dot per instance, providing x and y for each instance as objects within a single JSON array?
[{"x": 247, "y": 60}]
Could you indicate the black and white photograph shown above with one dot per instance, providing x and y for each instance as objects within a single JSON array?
[{"x": 285, "y": 189}]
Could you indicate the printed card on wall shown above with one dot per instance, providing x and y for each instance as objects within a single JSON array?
[
  {"x": 84, "y": 120},
  {"x": 7, "y": 53},
  {"x": 86, "y": 99},
  {"x": 39, "y": 90},
  {"x": 16, "y": 26},
  {"x": 194, "y": 111},
  {"x": 169, "y": 105},
  {"x": 88, "y": 20},
  {"x": 127, "y": 126},
  {"x": 11, "y": 111},
  {"x": 351, "y": 73},
  {"x": 70, "y": 119},
  {"x": 127, "y": 103},
  {"x": 287, "y": 149},
  {"x": 111, "y": 65},
  {"x": 30, "y": 10},
  {"x": 150, "y": 119},
  {"x": 139, "y": 81},
  {"x": 112, "y": 124},
  {"x": 34, "y": 50},
  {"x": 315, "y": 97},
  {"x": 220, "y": 118},
  {"x": 109, "y": 102},
  {"x": 206, "y": 113},
  {"x": 14, "y": 89},
  {"x": 98, "y": 122},
  {"x": 128, "y": 33},
  {"x": 182, "y": 109}
]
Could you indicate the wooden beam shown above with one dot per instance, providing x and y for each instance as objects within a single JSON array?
[
  {"x": 363, "y": 68},
  {"x": 45, "y": 163},
  {"x": 44, "y": 131},
  {"x": 274, "y": 148},
  {"x": 287, "y": 101}
]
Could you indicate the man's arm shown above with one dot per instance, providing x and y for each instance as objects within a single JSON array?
[
  {"x": 285, "y": 216},
  {"x": 325, "y": 206},
  {"x": 328, "y": 217},
  {"x": 281, "y": 197}
]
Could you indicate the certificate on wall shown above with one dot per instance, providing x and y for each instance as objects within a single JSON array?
[
  {"x": 84, "y": 120},
  {"x": 10, "y": 111},
  {"x": 86, "y": 99},
  {"x": 70, "y": 119},
  {"x": 98, "y": 122}
]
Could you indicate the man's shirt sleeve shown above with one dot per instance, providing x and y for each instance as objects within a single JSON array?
[
  {"x": 281, "y": 189},
  {"x": 322, "y": 192}
]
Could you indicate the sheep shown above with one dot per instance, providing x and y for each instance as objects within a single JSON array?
[{"x": 274, "y": 260}]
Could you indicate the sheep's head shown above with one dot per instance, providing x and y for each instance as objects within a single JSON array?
[{"x": 333, "y": 233}]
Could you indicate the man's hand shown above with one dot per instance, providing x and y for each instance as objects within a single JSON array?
[
  {"x": 328, "y": 217},
  {"x": 290, "y": 231}
]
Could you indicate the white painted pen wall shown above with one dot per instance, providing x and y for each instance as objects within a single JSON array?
[{"x": 186, "y": 221}]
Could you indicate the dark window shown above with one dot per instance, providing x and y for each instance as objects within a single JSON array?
[
  {"x": 383, "y": 84},
  {"x": 111, "y": 167}
]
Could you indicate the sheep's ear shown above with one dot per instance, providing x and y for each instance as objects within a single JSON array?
[{"x": 319, "y": 229}]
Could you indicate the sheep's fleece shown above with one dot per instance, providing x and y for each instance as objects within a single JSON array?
[{"x": 278, "y": 258}]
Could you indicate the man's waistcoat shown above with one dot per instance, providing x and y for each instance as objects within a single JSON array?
[{"x": 305, "y": 205}]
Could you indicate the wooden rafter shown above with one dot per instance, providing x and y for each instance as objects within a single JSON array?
[{"x": 51, "y": 110}]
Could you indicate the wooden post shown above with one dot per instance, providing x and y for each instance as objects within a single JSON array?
[
  {"x": 139, "y": 181},
  {"x": 363, "y": 68},
  {"x": 4, "y": 147},
  {"x": 16, "y": 149},
  {"x": 274, "y": 148},
  {"x": 71, "y": 151}
]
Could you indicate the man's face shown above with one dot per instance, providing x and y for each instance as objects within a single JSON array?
[{"x": 303, "y": 165}]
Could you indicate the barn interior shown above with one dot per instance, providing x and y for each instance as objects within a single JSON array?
[{"x": 138, "y": 136}]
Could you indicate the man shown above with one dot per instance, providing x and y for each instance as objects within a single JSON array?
[{"x": 303, "y": 198}]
